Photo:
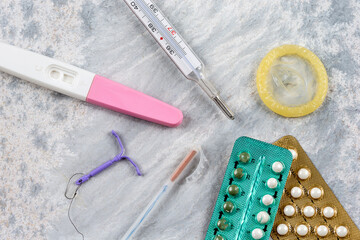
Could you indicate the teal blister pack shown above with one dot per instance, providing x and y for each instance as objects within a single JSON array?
[{"x": 251, "y": 191}]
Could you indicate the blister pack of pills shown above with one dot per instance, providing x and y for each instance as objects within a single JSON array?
[
  {"x": 251, "y": 191},
  {"x": 308, "y": 208}
]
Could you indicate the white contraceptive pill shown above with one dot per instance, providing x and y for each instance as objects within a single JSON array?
[
  {"x": 289, "y": 211},
  {"x": 267, "y": 200},
  {"x": 341, "y": 231},
  {"x": 322, "y": 231},
  {"x": 277, "y": 167},
  {"x": 302, "y": 230},
  {"x": 303, "y": 174},
  {"x": 309, "y": 211},
  {"x": 282, "y": 229},
  {"x": 328, "y": 212},
  {"x": 316, "y": 193},
  {"x": 272, "y": 183},
  {"x": 257, "y": 233},
  {"x": 263, "y": 217},
  {"x": 294, "y": 153},
  {"x": 296, "y": 192}
]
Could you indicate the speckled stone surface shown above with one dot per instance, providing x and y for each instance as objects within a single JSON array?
[{"x": 45, "y": 137}]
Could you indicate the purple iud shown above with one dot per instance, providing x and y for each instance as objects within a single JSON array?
[{"x": 104, "y": 166}]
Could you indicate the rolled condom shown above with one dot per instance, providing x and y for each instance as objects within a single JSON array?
[{"x": 292, "y": 81}]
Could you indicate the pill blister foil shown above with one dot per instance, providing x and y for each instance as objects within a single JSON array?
[
  {"x": 328, "y": 199},
  {"x": 241, "y": 223}
]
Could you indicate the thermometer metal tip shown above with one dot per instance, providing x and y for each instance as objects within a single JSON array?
[{"x": 224, "y": 108}]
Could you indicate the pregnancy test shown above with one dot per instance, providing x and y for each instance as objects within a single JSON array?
[{"x": 86, "y": 86}]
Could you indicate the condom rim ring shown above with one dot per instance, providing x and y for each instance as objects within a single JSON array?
[{"x": 321, "y": 79}]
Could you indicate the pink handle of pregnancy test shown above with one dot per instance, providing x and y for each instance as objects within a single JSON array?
[{"x": 117, "y": 97}]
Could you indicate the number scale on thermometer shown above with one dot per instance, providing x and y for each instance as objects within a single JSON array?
[{"x": 175, "y": 47}]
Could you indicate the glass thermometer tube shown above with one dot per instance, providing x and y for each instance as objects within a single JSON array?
[{"x": 175, "y": 47}]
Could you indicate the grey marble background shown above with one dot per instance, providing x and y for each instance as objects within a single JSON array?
[{"x": 45, "y": 137}]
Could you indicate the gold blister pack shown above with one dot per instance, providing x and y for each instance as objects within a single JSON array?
[{"x": 308, "y": 208}]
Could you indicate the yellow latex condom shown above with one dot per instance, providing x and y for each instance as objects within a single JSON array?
[{"x": 292, "y": 81}]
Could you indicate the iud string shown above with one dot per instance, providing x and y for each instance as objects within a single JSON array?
[{"x": 93, "y": 173}]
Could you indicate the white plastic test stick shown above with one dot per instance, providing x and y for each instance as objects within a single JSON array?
[
  {"x": 165, "y": 189},
  {"x": 175, "y": 47},
  {"x": 86, "y": 86}
]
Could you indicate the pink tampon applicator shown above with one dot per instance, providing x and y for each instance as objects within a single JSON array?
[{"x": 86, "y": 86}]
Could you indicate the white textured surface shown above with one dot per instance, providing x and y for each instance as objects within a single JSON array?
[{"x": 46, "y": 137}]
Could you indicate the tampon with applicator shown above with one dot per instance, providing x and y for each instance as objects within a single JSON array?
[
  {"x": 86, "y": 86},
  {"x": 165, "y": 189}
]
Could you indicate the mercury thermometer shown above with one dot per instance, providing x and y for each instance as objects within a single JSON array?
[{"x": 175, "y": 47}]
